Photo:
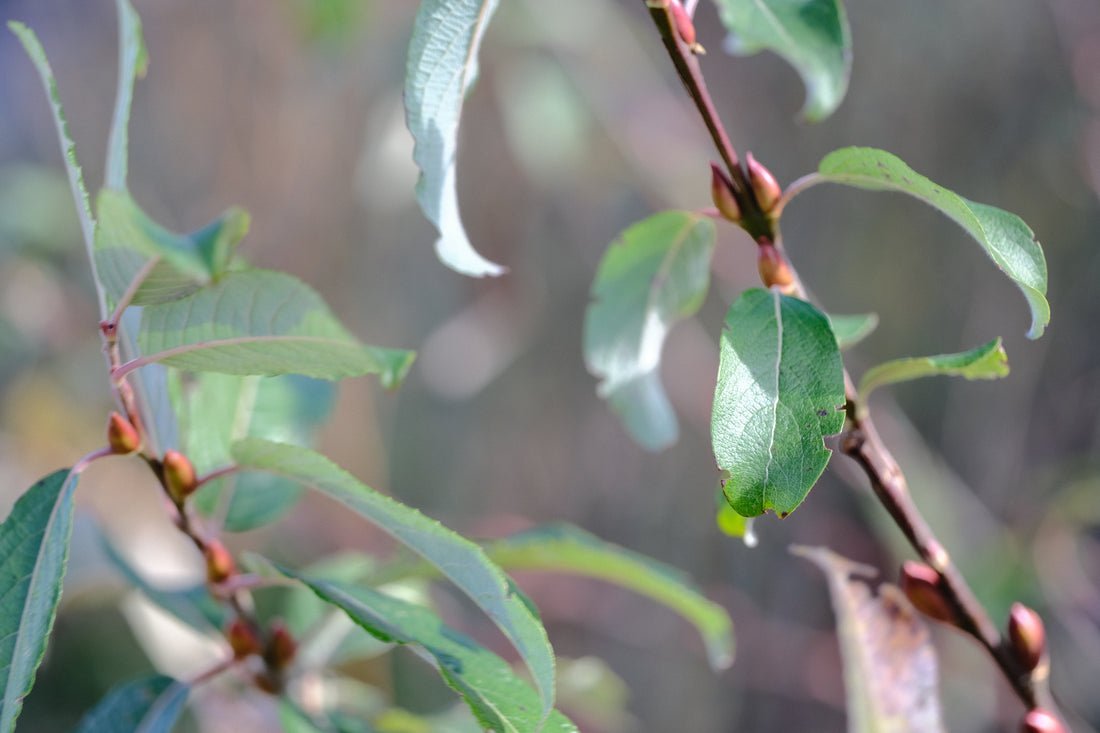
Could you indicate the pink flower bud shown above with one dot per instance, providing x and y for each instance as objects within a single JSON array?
[
  {"x": 122, "y": 436},
  {"x": 220, "y": 565},
  {"x": 773, "y": 268},
  {"x": 923, "y": 587},
  {"x": 1040, "y": 721},
  {"x": 1026, "y": 635},
  {"x": 179, "y": 475},
  {"x": 721, "y": 190},
  {"x": 763, "y": 184}
]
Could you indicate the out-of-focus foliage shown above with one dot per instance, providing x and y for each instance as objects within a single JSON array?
[{"x": 303, "y": 127}]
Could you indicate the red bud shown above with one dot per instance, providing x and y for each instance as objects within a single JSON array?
[
  {"x": 220, "y": 566},
  {"x": 923, "y": 588},
  {"x": 721, "y": 190},
  {"x": 242, "y": 638},
  {"x": 1027, "y": 636},
  {"x": 179, "y": 475},
  {"x": 122, "y": 436},
  {"x": 1040, "y": 721},
  {"x": 281, "y": 646},
  {"x": 763, "y": 184},
  {"x": 773, "y": 268},
  {"x": 685, "y": 28}
]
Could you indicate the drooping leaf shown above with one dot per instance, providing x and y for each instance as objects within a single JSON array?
[
  {"x": 442, "y": 67},
  {"x": 192, "y": 605},
  {"x": 850, "y": 330},
  {"x": 1005, "y": 237},
  {"x": 460, "y": 560},
  {"x": 987, "y": 361},
  {"x": 133, "y": 60},
  {"x": 498, "y": 698},
  {"x": 149, "y": 705},
  {"x": 68, "y": 150},
  {"x": 780, "y": 392},
  {"x": 812, "y": 35},
  {"x": 34, "y": 550},
  {"x": 890, "y": 672},
  {"x": 260, "y": 322},
  {"x": 565, "y": 548},
  {"x": 127, "y": 240},
  {"x": 217, "y": 409},
  {"x": 654, "y": 275}
]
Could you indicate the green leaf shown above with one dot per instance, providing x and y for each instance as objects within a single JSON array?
[
  {"x": 498, "y": 698},
  {"x": 460, "y": 560},
  {"x": 260, "y": 322},
  {"x": 151, "y": 388},
  {"x": 987, "y": 361},
  {"x": 192, "y": 605},
  {"x": 442, "y": 67},
  {"x": 850, "y": 330},
  {"x": 127, "y": 241},
  {"x": 780, "y": 392},
  {"x": 68, "y": 150},
  {"x": 565, "y": 548},
  {"x": 1005, "y": 237},
  {"x": 34, "y": 550},
  {"x": 217, "y": 409},
  {"x": 149, "y": 705},
  {"x": 812, "y": 35},
  {"x": 654, "y": 275},
  {"x": 890, "y": 674},
  {"x": 133, "y": 60}
]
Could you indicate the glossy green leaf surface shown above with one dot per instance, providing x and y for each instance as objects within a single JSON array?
[
  {"x": 133, "y": 60},
  {"x": 498, "y": 698},
  {"x": 987, "y": 361},
  {"x": 654, "y": 275},
  {"x": 890, "y": 666},
  {"x": 68, "y": 150},
  {"x": 812, "y": 35},
  {"x": 1005, "y": 237},
  {"x": 460, "y": 560},
  {"x": 568, "y": 549},
  {"x": 780, "y": 392},
  {"x": 442, "y": 67},
  {"x": 850, "y": 330},
  {"x": 130, "y": 245},
  {"x": 261, "y": 322},
  {"x": 34, "y": 551},
  {"x": 149, "y": 705}
]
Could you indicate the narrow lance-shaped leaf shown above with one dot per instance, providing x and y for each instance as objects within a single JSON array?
[
  {"x": 564, "y": 548},
  {"x": 1005, "y": 237},
  {"x": 812, "y": 35},
  {"x": 133, "y": 60},
  {"x": 460, "y": 560},
  {"x": 261, "y": 322},
  {"x": 34, "y": 550},
  {"x": 68, "y": 150},
  {"x": 654, "y": 275},
  {"x": 890, "y": 675},
  {"x": 498, "y": 698},
  {"x": 780, "y": 392},
  {"x": 149, "y": 705},
  {"x": 987, "y": 361},
  {"x": 442, "y": 67}
]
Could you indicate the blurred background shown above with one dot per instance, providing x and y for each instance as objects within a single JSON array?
[{"x": 578, "y": 127}]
